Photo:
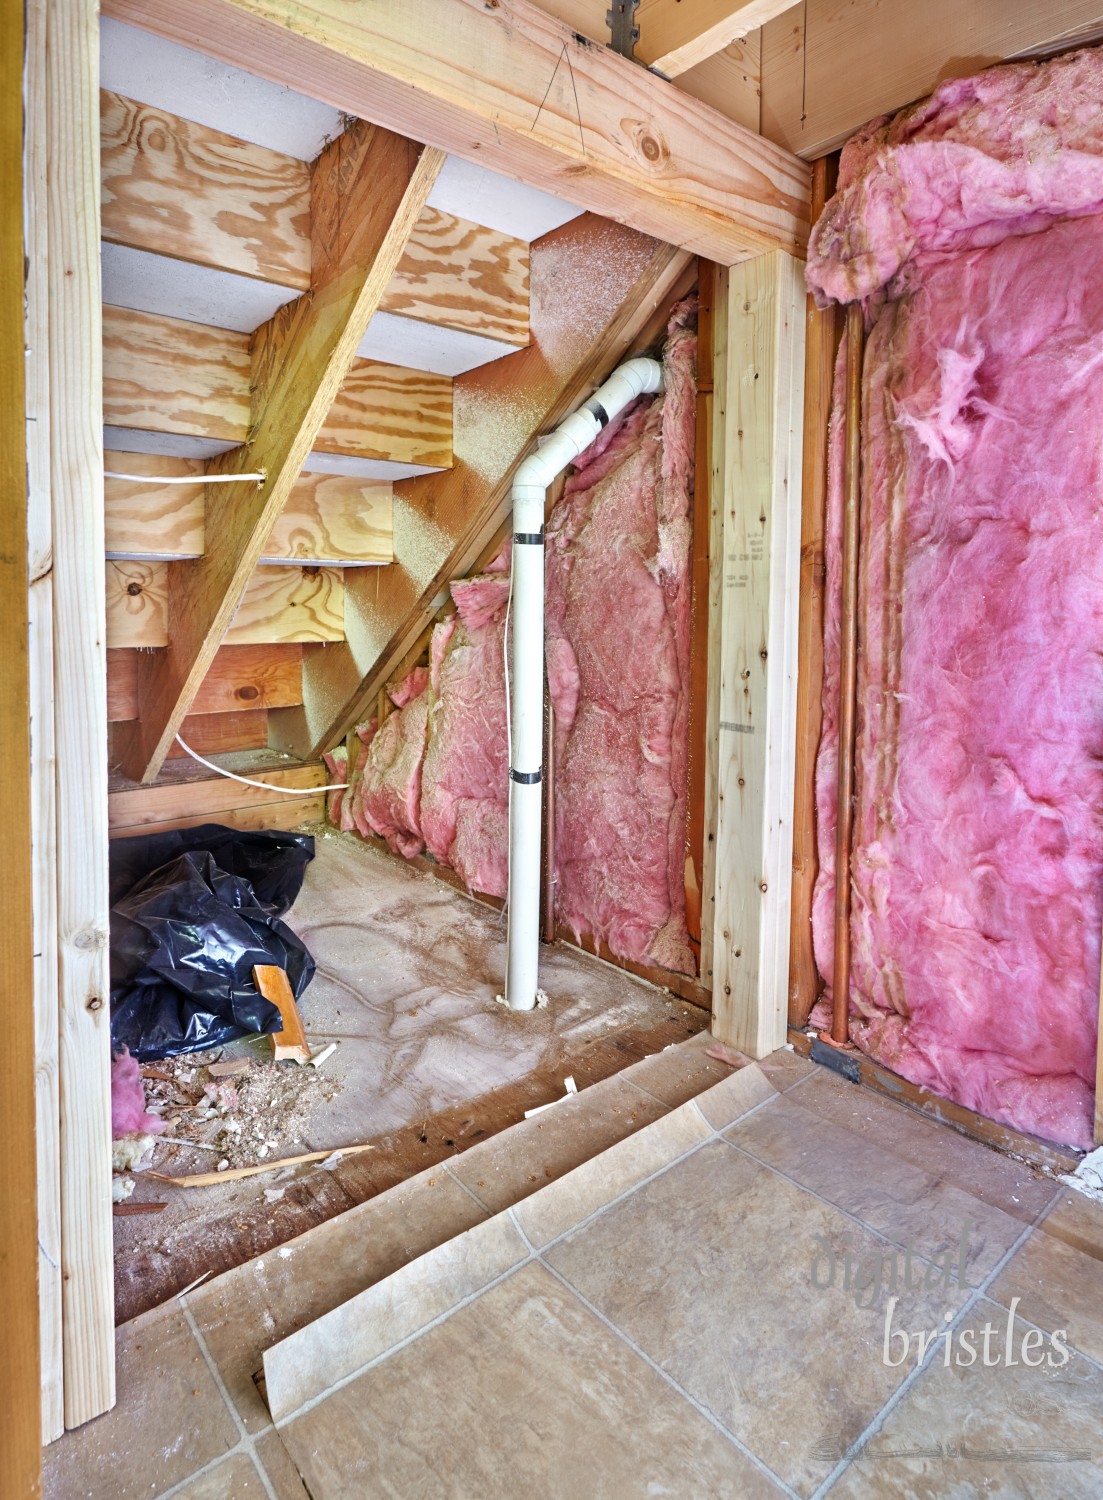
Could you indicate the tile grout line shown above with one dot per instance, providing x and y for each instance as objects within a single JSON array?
[
  {"x": 245, "y": 1443},
  {"x": 667, "y": 1379},
  {"x": 471, "y": 1193},
  {"x": 878, "y": 1420}
]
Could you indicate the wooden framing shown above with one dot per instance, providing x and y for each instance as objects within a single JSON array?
[
  {"x": 729, "y": 82},
  {"x": 368, "y": 190},
  {"x": 675, "y": 37},
  {"x": 828, "y": 68},
  {"x": 76, "y": 477},
  {"x": 20, "y": 1451},
  {"x": 516, "y": 90},
  {"x": 188, "y": 795},
  {"x": 821, "y": 341},
  {"x": 443, "y": 522},
  {"x": 757, "y": 437},
  {"x": 240, "y": 677}
]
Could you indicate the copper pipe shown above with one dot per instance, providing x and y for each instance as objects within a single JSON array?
[
  {"x": 549, "y": 830},
  {"x": 848, "y": 672}
]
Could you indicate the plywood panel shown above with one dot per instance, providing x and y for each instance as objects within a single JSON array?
[
  {"x": 758, "y": 408},
  {"x": 828, "y": 66},
  {"x": 460, "y": 275},
  {"x": 331, "y": 517},
  {"x": 385, "y": 411},
  {"x": 290, "y": 604},
  {"x": 197, "y": 194},
  {"x": 164, "y": 375},
  {"x": 137, "y": 603},
  {"x": 144, "y": 518},
  {"x": 251, "y": 677}
]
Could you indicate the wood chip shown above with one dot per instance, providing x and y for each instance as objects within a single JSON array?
[
  {"x": 227, "y": 1069},
  {"x": 209, "y": 1179},
  {"x": 131, "y": 1207}
]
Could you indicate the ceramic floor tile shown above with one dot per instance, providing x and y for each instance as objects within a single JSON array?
[
  {"x": 709, "y": 1269},
  {"x": 735, "y": 1096},
  {"x": 866, "y": 1178},
  {"x": 1078, "y": 1220},
  {"x": 510, "y": 1166},
  {"x": 169, "y": 1420},
  {"x": 277, "y": 1464},
  {"x": 560, "y": 1205},
  {"x": 522, "y": 1392},
  {"x": 785, "y": 1068},
  {"x": 1016, "y": 1187},
  {"x": 678, "y": 1073},
  {"x": 305, "y": 1364},
  {"x": 252, "y": 1307},
  {"x": 1009, "y": 1431},
  {"x": 1059, "y": 1287},
  {"x": 236, "y": 1478}
]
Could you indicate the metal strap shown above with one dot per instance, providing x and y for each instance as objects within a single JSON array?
[{"x": 526, "y": 778}]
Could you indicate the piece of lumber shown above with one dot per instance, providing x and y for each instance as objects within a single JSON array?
[
  {"x": 583, "y": 324},
  {"x": 516, "y": 90},
  {"x": 730, "y": 81},
  {"x": 281, "y": 605},
  {"x": 209, "y": 734},
  {"x": 234, "y": 1174},
  {"x": 821, "y": 339},
  {"x": 241, "y": 677},
  {"x": 129, "y": 1207},
  {"x": 40, "y": 606},
  {"x": 289, "y": 1044},
  {"x": 328, "y": 518},
  {"x": 285, "y": 813},
  {"x": 20, "y": 1101},
  {"x": 828, "y": 68},
  {"x": 170, "y": 376},
  {"x": 197, "y": 194},
  {"x": 758, "y": 425},
  {"x": 675, "y": 36},
  {"x": 207, "y": 799},
  {"x": 76, "y": 465}
]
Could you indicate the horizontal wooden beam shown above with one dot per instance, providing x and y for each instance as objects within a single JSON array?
[
  {"x": 675, "y": 36},
  {"x": 175, "y": 188},
  {"x": 170, "y": 376},
  {"x": 241, "y": 677},
  {"x": 582, "y": 327},
  {"x": 329, "y": 518},
  {"x": 182, "y": 803},
  {"x": 729, "y": 81},
  {"x": 828, "y": 68},
  {"x": 516, "y": 90},
  {"x": 281, "y": 605}
]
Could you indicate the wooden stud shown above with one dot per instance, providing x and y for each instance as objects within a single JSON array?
[
  {"x": 699, "y": 622},
  {"x": 828, "y": 68},
  {"x": 20, "y": 1102},
  {"x": 76, "y": 463},
  {"x": 528, "y": 98},
  {"x": 42, "y": 765},
  {"x": 289, "y": 1044},
  {"x": 758, "y": 406},
  {"x": 181, "y": 802},
  {"x": 729, "y": 82},
  {"x": 675, "y": 37},
  {"x": 378, "y": 184},
  {"x": 285, "y": 813},
  {"x": 582, "y": 326},
  {"x": 820, "y": 344}
]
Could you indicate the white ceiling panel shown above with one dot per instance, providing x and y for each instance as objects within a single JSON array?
[
  {"x": 177, "y": 289},
  {"x": 364, "y": 468},
  {"x": 498, "y": 202},
  {"x": 172, "y": 444},
  {"x": 424, "y": 346}
]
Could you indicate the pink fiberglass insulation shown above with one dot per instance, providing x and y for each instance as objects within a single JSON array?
[
  {"x": 465, "y": 784},
  {"x": 129, "y": 1115},
  {"x": 384, "y": 796},
  {"x": 977, "y": 870},
  {"x": 618, "y": 626}
]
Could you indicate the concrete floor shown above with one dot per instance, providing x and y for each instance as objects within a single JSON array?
[{"x": 671, "y": 1316}]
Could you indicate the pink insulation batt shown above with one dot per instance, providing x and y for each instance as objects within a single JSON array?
[
  {"x": 978, "y": 860},
  {"x": 618, "y": 625},
  {"x": 129, "y": 1115},
  {"x": 384, "y": 796},
  {"x": 465, "y": 785}
]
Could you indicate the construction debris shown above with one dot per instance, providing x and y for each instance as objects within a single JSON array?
[{"x": 329, "y": 1160}]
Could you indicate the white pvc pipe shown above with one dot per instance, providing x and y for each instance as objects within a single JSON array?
[{"x": 526, "y": 691}]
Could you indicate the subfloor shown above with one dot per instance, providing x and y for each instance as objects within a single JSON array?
[
  {"x": 427, "y": 1064},
  {"x": 689, "y": 1313}
]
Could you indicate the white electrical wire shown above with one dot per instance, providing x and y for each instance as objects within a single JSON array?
[
  {"x": 265, "y": 786},
  {"x": 186, "y": 478}
]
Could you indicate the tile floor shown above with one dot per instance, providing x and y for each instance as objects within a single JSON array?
[{"x": 669, "y": 1318}]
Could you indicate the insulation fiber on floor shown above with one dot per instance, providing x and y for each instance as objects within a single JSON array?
[{"x": 971, "y": 227}]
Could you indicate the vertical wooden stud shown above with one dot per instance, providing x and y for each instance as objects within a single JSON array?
[
  {"x": 757, "y": 438},
  {"x": 80, "y": 705}
]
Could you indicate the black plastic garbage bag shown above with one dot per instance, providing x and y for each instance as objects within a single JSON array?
[{"x": 187, "y": 926}]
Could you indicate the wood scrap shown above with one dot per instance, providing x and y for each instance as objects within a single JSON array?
[
  {"x": 120, "y": 1210},
  {"x": 289, "y": 1044},
  {"x": 229, "y": 1067},
  {"x": 232, "y": 1174}
]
